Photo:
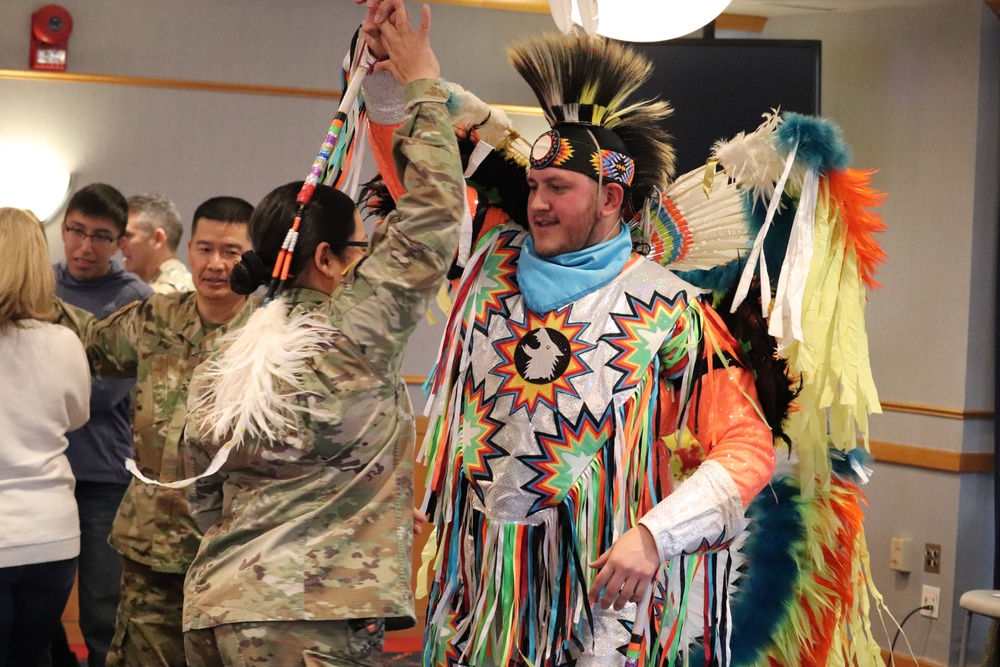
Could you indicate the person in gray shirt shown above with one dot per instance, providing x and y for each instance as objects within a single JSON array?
[{"x": 93, "y": 230}]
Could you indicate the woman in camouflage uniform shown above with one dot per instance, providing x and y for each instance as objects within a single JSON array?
[{"x": 310, "y": 561}]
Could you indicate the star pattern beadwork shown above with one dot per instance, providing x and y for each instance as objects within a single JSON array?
[
  {"x": 643, "y": 323},
  {"x": 527, "y": 387},
  {"x": 564, "y": 456},
  {"x": 478, "y": 431}
]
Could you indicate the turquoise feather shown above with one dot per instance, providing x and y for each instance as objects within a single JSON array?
[{"x": 821, "y": 142}]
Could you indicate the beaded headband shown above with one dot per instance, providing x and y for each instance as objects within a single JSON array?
[{"x": 557, "y": 148}]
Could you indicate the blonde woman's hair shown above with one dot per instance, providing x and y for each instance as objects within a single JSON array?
[{"x": 27, "y": 284}]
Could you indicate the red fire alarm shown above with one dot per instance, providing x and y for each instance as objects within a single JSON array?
[{"x": 50, "y": 29}]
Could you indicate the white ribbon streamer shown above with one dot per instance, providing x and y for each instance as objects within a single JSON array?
[
  {"x": 757, "y": 252},
  {"x": 785, "y": 323},
  {"x": 218, "y": 461}
]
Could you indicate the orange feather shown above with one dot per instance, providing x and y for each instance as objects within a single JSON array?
[{"x": 852, "y": 194}]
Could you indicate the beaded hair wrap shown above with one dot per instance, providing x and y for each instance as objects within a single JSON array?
[{"x": 363, "y": 64}]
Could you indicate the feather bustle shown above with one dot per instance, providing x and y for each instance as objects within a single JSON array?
[
  {"x": 717, "y": 229},
  {"x": 752, "y": 159}
]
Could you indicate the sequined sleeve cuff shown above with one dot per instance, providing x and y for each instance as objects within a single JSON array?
[
  {"x": 703, "y": 514},
  {"x": 384, "y": 98}
]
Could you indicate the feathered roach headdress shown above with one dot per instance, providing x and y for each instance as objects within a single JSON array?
[{"x": 583, "y": 84}]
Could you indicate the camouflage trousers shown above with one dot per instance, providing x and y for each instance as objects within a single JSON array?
[
  {"x": 348, "y": 643},
  {"x": 148, "y": 630}
]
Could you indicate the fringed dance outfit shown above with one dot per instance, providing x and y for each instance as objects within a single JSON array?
[{"x": 555, "y": 434}]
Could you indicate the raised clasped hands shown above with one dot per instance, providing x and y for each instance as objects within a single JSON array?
[{"x": 400, "y": 50}]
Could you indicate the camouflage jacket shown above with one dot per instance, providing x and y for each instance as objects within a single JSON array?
[
  {"x": 159, "y": 341},
  {"x": 317, "y": 526},
  {"x": 173, "y": 277}
]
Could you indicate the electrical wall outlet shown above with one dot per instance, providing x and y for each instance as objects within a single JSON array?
[
  {"x": 930, "y": 596},
  {"x": 899, "y": 554},
  {"x": 932, "y": 558}
]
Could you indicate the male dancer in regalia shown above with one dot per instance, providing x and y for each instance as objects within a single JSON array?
[{"x": 570, "y": 366}]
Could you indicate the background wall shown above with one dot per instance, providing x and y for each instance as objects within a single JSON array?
[
  {"x": 915, "y": 89},
  {"x": 191, "y": 145}
]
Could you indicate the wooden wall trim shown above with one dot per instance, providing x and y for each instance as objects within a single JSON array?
[
  {"x": 174, "y": 84},
  {"x": 208, "y": 86},
  {"x": 935, "y": 411},
  {"x": 931, "y": 459},
  {"x": 533, "y": 6},
  {"x": 741, "y": 22}
]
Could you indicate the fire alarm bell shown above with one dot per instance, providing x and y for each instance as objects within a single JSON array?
[{"x": 50, "y": 29}]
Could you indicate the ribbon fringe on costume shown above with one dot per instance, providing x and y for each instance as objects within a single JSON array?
[{"x": 518, "y": 592}]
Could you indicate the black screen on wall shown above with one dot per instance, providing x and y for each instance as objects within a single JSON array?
[{"x": 719, "y": 87}]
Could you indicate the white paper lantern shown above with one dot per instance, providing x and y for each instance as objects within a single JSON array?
[{"x": 638, "y": 20}]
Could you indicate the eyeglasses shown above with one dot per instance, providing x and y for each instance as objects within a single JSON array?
[
  {"x": 356, "y": 244},
  {"x": 98, "y": 239}
]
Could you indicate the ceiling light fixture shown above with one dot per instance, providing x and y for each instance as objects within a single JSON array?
[
  {"x": 636, "y": 20},
  {"x": 33, "y": 178}
]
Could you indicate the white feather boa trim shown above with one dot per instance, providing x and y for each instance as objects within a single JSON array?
[{"x": 249, "y": 388}]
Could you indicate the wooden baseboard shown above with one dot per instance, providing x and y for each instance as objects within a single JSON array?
[
  {"x": 900, "y": 660},
  {"x": 935, "y": 410},
  {"x": 931, "y": 459}
]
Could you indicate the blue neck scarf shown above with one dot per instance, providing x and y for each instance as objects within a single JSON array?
[{"x": 550, "y": 283}]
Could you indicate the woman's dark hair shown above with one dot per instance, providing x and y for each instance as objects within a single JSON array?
[{"x": 329, "y": 218}]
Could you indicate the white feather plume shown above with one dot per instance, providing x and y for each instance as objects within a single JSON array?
[
  {"x": 589, "y": 16},
  {"x": 716, "y": 221},
  {"x": 250, "y": 387},
  {"x": 562, "y": 14},
  {"x": 751, "y": 160}
]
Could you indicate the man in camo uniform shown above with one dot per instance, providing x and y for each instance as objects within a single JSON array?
[
  {"x": 160, "y": 341},
  {"x": 151, "y": 238},
  {"x": 311, "y": 560}
]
